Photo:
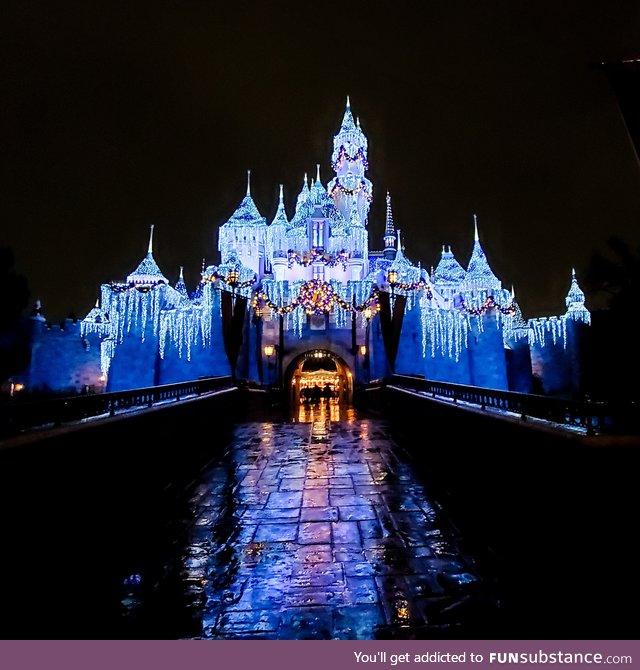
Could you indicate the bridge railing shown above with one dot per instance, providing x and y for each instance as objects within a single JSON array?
[
  {"x": 19, "y": 416},
  {"x": 590, "y": 416}
]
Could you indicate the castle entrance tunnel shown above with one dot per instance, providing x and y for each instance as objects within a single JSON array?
[{"x": 319, "y": 377}]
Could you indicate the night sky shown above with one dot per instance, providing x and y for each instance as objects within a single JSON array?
[{"x": 119, "y": 115}]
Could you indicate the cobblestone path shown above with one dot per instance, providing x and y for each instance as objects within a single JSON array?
[{"x": 320, "y": 528}]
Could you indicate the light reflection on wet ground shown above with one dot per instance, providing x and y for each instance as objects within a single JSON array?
[{"x": 319, "y": 528}]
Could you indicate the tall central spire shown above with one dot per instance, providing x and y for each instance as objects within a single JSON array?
[{"x": 150, "y": 249}]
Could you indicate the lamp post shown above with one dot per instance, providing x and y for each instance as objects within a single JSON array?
[
  {"x": 268, "y": 352},
  {"x": 392, "y": 278},
  {"x": 232, "y": 280},
  {"x": 367, "y": 313}
]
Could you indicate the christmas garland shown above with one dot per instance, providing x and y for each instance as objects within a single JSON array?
[
  {"x": 362, "y": 186},
  {"x": 315, "y": 297},
  {"x": 225, "y": 280},
  {"x": 343, "y": 155},
  {"x": 488, "y": 304}
]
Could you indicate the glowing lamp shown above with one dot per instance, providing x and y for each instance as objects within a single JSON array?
[
  {"x": 392, "y": 277},
  {"x": 268, "y": 350},
  {"x": 363, "y": 349},
  {"x": 232, "y": 277},
  {"x": 367, "y": 313}
]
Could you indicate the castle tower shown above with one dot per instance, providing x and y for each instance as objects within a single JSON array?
[
  {"x": 389, "y": 233},
  {"x": 276, "y": 239},
  {"x": 349, "y": 162},
  {"x": 576, "y": 309}
]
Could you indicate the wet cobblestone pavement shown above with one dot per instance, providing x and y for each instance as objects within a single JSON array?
[{"x": 320, "y": 529}]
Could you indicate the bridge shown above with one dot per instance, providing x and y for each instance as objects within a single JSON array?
[{"x": 206, "y": 510}]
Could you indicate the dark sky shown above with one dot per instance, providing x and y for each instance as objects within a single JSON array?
[{"x": 119, "y": 115}]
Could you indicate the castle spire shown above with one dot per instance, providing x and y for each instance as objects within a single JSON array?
[
  {"x": 389, "y": 227},
  {"x": 147, "y": 273},
  {"x": 317, "y": 172},
  {"x": 281, "y": 215},
  {"x": 246, "y": 214},
  {"x": 348, "y": 124},
  {"x": 180, "y": 286},
  {"x": 479, "y": 273},
  {"x": 389, "y": 232}
]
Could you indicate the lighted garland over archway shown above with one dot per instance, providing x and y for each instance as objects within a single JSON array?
[{"x": 316, "y": 297}]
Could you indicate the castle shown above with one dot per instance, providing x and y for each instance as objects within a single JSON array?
[{"x": 304, "y": 299}]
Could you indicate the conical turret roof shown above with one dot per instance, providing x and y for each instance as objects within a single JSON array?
[
  {"x": 479, "y": 274},
  {"x": 280, "y": 219},
  {"x": 180, "y": 286},
  {"x": 318, "y": 193},
  {"x": 247, "y": 213},
  {"x": 148, "y": 272},
  {"x": 350, "y": 135},
  {"x": 449, "y": 271}
]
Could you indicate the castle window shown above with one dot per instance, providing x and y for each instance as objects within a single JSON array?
[{"x": 318, "y": 234}]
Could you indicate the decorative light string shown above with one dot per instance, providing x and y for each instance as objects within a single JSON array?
[
  {"x": 226, "y": 279},
  {"x": 488, "y": 304},
  {"x": 343, "y": 155},
  {"x": 362, "y": 186}
]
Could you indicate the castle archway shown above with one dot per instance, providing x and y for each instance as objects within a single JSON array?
[{"x": 319, "y": 376}]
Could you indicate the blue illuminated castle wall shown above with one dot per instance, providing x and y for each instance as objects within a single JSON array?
[{"x": 311, "y": 270}]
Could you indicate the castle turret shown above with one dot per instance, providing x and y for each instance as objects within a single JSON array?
[
  {"x": 147, "y": 274},
  {"x": 389, "y": 233},
  {"x": 576, "y": 309},
  {"x": 276, "y": 239},
  {"x": 245, "y": 231},
  {"x": 349, "y": 162}
]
